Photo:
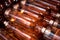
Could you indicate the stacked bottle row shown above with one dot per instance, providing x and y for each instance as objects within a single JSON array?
[{"x": 36, "y": 19}]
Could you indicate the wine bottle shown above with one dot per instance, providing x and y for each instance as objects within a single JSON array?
[
  {"x": 47, "y": 33},
  {"x": 35, "y": 8},
  {"x": 21, "y": 34},
  {"x": 31, "y": 14},
  {"x": 20, "y": 19},
  {"x": 54, "y": 2},
  {"x": 51, "y": 2},
  {"x": 54, "y": 23},
  {"x": 54, "y": 8}
]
